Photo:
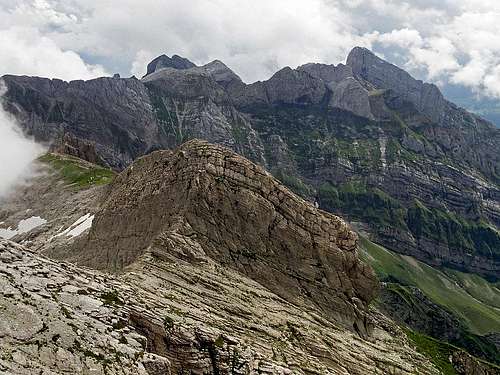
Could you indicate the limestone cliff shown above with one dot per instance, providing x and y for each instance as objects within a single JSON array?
[{"x": 205, "y": 200}]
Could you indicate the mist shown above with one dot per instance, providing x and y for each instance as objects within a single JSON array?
[{"x": 17, "y": 152}]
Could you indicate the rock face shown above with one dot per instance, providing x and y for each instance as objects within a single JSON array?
[
  {"x": 351, "y": 96},
  {"x": 330, "y": 74},
  {"x": 223, "y": 271},
  {"x": 79, "y": 148},
  {"x": 449, "y": 125},
  {"x": 223, "y": 75},
  {"x": 466, "y": 365},
  {"x": 286, "y": 86},
  {"x": 163, "y": 61},
  {"x": 206, "y": 200},
  {"x": 426, "y": 97},
  {"x": 49, "y": 109},
  {"x": 364, "y": 139}
]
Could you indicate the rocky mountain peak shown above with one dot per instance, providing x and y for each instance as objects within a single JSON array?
[
  {"x": 163, "y": 61},
  {"x": 331, "y": 74},
  {"x": 294, "y": 86},
  {"x": 205, "y": 200},
  {"x": 383, "y": 75},
  {"x": 222, "y": 73}
]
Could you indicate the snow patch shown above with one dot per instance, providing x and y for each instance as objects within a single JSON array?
[
  {"x": 24, "y": 226},
  {"x": 78, "y": 227}
]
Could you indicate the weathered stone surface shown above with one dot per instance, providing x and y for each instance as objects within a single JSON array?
[
  {"x": 223, "y": 75},
  {"x": 166, "y": 317},
  {"x": 426, "y": 97},
  {"x": 77, "y": 147},
  {"x": 207, "y": 198},
  {"x": 49, "y": 109},
  {"x": 464, "y": 364},
  {"x": 351, "y": 96},
  {"x": 453, "y": 128},
  {"x": 331, "y": 74},
  {"x": 287, "y": 86}
]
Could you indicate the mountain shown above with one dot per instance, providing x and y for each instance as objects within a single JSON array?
[
  {"x": 163, "y": 61},
  {"x": 207, "y": 265},
  {"x": 364, "y": 139},
  {"x": 416, "y": 176}
]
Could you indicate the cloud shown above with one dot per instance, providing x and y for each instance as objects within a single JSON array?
[
  {"x": 26, "y": 52},
  {"x": 17, "y": 152},
  {"x": 255, "y": 38},
  {"x": 140, "y": 63},
  {"x": 403, "y": 38}
]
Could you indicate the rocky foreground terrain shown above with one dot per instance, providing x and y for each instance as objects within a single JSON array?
[{"x": 164, "y": 317}]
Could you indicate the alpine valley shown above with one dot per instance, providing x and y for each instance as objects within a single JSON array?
[{"x": 334, "y": 219}]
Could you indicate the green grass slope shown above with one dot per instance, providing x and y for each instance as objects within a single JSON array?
[
  {"x": 77, "y": 172},
  {"x": 475, "y": 301}
]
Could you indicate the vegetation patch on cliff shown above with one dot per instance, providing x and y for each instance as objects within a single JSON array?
[
  {"x": 77, "y": 172},
  {"x": 438, "y": 352},
  {"x": 476, "y": 307},
  {"x": 359, "y": 201}
]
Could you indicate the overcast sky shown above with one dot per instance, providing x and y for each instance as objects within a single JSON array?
[{"x": 443, "y": 41}]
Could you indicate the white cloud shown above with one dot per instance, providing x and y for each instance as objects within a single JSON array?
[
  {"x": 140, "y": 63},
  {"x": 26, "y": 52},
  {"x": 16, "y": 151},
  {"x": 255, "y": 38},
  {"x": 403, "y": 38},
  {"x": 437, "y": 55},
  {"x": 471, "y": 73}
]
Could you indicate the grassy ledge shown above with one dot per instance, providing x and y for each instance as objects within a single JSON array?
[
  {"x": 438, "y": 352},
  {"x": 77, "y": 172},
  {"x": 475, "y": 301}
]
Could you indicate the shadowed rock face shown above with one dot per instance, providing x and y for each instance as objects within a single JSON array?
[
  {"x": 163, "y": 61},
  {"x": 204, "y": 199},
  {"x": 426, "y": 97},
  {"x": 115, "y": 115}
]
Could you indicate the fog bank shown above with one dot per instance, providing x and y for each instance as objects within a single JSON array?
[{"x": 17, "y": 152}]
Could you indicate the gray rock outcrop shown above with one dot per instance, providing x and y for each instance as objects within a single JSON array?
[
  {"x": 163, "y": 61},
  {"x": 426, "y": 97},
  {"x": 171, "y": 317},
  {"x": 351, "y": 96},
  {"x": 204, "y": 199}
]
